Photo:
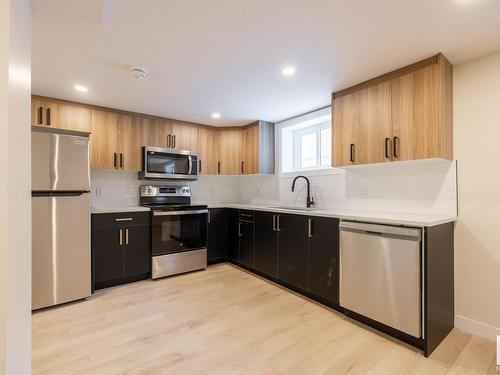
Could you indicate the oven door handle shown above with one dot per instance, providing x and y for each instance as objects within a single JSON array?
[{"x": 176, "y": 213}]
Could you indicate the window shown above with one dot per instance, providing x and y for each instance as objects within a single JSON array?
[{"x": 306, "y": 142}]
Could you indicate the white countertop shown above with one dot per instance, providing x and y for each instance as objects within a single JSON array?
[
  {"x": 107, "y": 210},
  {"x": 395, "y": 218}
]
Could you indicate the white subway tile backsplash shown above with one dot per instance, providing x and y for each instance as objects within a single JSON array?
[{"x": 426, "y": 186}]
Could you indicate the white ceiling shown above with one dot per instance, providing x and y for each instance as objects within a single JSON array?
[{"x": 225, "y": 56}]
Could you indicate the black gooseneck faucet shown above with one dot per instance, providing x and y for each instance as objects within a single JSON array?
[{"x": 309, "y": 201}]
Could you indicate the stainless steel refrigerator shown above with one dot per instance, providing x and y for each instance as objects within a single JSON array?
[{"x": 60, "y": 180}]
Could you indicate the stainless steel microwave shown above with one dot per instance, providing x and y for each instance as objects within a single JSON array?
[{"x": 168, "y": 163}]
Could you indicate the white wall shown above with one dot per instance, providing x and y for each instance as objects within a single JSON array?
[
  {"x": 121, "y": 188},
  {"x": 477, "y": 236},
  {"x": 424, "y": 186},
  {"x": 15, "y": 187},
  {"x": 427, "y": 186}
]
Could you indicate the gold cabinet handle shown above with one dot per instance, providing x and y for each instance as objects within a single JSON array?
[
  {"x": 126, "y": 236},
  {"x": 124, "y": 219},
  {"x": 121, "y": 236},
  {"x": 309, "y": 228}
]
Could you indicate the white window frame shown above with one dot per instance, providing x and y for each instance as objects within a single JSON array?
[
  {"x": 297, "y": 153},
  {"x": 320, "y": 116}
]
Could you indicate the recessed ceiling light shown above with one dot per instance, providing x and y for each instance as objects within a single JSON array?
[
  {"x": 288, "y": 71},
  {"x": 215, "y": 115},
  {"x": 81, "y": 88}
]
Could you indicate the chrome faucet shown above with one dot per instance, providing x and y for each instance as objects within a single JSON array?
[{"x": 309, "y": 201}]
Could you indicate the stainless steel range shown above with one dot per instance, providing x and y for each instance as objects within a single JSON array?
[{"x": 178, "y": 230}]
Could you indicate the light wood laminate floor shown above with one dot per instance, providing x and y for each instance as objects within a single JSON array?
[{"x": 227, "y": 321}]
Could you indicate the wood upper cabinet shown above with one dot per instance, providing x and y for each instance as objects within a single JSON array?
[
  {"x": 374, "y": 124},
  {"x": 207, "y": 158},
  {"x": 421, "y": 114},
  {"x": 104, "y": 140},
  {"x": 229, "y": 151},
  {"x": 250, "y": 141},
  {"x": 184, "y": 137},
  {"x": 402, "y": 115},
  {"x": 160, "y": 133},
  {"x": 345, "y": 129},
  {"x": 60, "y": 115},
  {"x": 133, "y": 133}
]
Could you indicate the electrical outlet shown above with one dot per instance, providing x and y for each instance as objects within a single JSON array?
[
  {"x": 98, "y": 191},
  {"x": 364, "y": 191}
]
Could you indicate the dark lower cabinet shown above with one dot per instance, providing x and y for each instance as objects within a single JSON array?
[
  {"x": 324, "y": 258},
  {"x": 293, "y": 256},
  {"x": 120, "y": 248},
  {"x": 107, "y": 254},
  {"x": 246, "y": 234},
  {"x": 217, "y": 235},
  {"x": 266, "y": 243},
  {"x": 136, "y": 254},
  {"x": 233, "y": 239}
]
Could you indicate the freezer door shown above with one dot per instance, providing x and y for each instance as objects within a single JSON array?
[
  {"x": 59, "y": 162},
  {"x": 61, "y": 270}
]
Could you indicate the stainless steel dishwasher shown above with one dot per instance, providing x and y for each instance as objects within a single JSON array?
[{"x": 380, "y": 274}]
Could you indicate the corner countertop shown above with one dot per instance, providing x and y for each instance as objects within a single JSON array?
[
  {"x": 393, "y": 218},
  {"x": 109, "y": 210}
]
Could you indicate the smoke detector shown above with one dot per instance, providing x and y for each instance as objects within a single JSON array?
[{"x": 139, "y": 72}]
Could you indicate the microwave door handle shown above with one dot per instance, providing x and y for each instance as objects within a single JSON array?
[{"x": 190, "y": 164}]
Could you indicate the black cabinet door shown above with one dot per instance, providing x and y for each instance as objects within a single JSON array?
[
  {"x": 107, "y": 254},
  {"x": 233, "y": 240},
  {"x": 266, "y": 243},
  {"x": 293, "y": 259},
  {"x": 246, "y": 234},
  {"x": 217, "y": 234},
  {"x": 136, "y": 250},
  {"x": 324, "y": 258}
]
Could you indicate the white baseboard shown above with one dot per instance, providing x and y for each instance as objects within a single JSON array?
[{"x": 476, "y": 328}]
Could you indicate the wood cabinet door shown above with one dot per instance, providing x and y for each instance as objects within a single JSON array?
[
  {"x": 104, "y": 140},
  {"x": 136, "y": 250},
  {"x": 344, "y": 130},
  {"x": 374, "y": 124},
  {"x": 107, "y": 254},
  {"x": 44, "y": 113},
  {"x": 324, "y": 258},
  {"x": 266, "y": 243},
  {"x": 207, "y": 159},
  {"x": 229, "y": 151},
  {"x": 416, "y": 114},
  {"x": 73, "y": 117},
  {"x": 159, "y": 134},
  {"x": 132, "y": 135},
  {"x": 293, "y": 254},
  {"x": 250, "y": 150},
  {"x": 184, "y": 137},
  {"x": 217, "y": 234},
  {"x": 37, "y": 112}
]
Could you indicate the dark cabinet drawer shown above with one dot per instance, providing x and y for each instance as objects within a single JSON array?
[
  {"x": 120, "y": 219},
  {"x": 247, "y": 215}
]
